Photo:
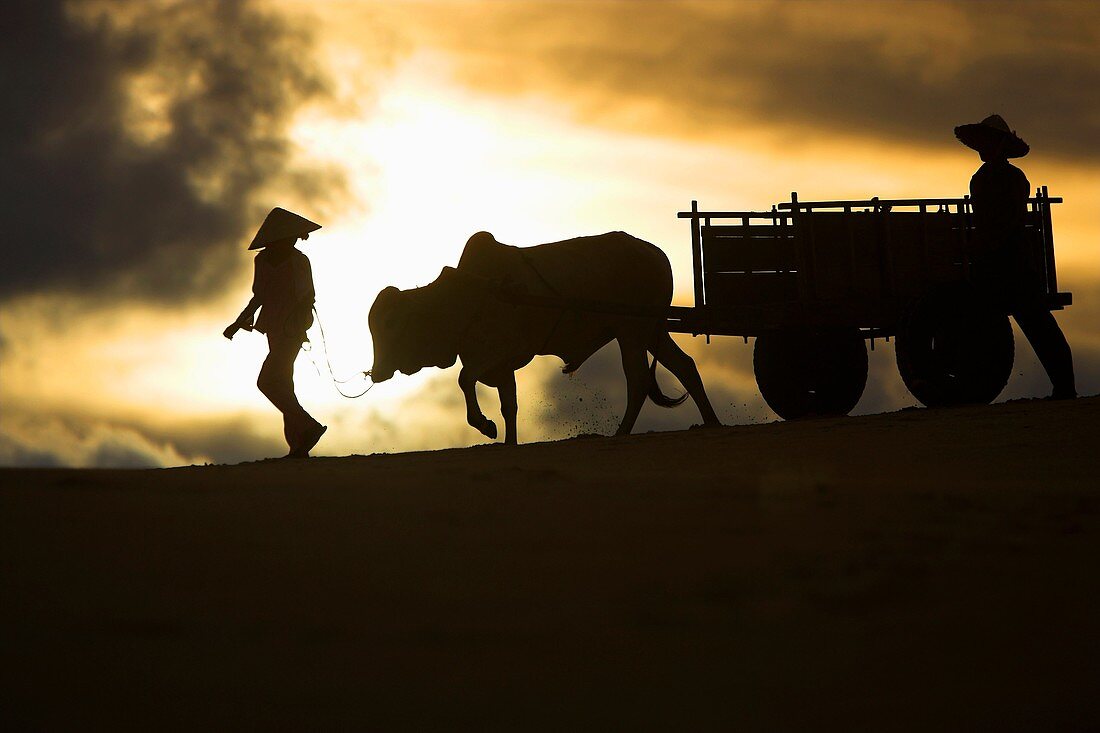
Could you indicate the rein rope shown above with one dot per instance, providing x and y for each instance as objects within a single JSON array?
[{"x": 328, "y": 363}]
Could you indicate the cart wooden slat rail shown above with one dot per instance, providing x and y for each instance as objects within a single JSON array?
[{"x": 812, "y": 280}]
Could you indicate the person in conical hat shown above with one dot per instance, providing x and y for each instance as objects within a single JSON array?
[
  {"x": 993, "y": 137},
  {"x": 282, "y": 290},
  {"x": 1002, "y": 266}
]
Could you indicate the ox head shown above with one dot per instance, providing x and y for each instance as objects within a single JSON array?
[{"x": 413, "y": 329}]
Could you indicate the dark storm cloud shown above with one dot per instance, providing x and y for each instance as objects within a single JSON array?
[
  {"x": 135, "y": 139},
  {"x": 905, "y": 72}
]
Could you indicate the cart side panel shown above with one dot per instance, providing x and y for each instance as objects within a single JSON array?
[
  {"x": 944, "y": 259},
  {"x": 749, "y": 265},
  {"x": 737, "y": 289},
  {"x": 925, "y": 250},
  {"x": 1036, "y": 255},
  {"x": 884, "y": 254},
  {"x": 751, "y": 248},
  {"x": 847, "y": 253}
]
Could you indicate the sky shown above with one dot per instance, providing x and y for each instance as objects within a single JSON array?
[{"x": 145, "y": 142}]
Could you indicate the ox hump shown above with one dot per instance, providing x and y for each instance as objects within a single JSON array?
[{"x": 481, "y": 238}]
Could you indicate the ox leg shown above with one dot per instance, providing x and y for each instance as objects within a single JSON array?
[
  {"x": 637, "y": 382},
  {"x": 468, "y": 382},
  {"x": 682, "y": 366},
  {"x": 509, "y": 407}
]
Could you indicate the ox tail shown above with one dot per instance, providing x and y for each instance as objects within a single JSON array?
[{"x": 659, "y": 398}]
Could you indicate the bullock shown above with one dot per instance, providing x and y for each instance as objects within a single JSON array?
[{"x": 504, "y": 305}]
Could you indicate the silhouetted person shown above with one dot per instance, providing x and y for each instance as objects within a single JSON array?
[
  {"x": 283, "y": 291},
  {"x": 999, "y": 193}
]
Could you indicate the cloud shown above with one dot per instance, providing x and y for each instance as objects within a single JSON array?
[
  {"x": 139, "y": 139},
  {"x": 28, "y": 440},
  {"x": 902, "y": 72},
  {"x": 219, "y": 439},
  {"x": 63, "y": 437}
]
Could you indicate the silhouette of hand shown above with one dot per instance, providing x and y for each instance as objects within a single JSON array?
[{"x": 243, "y": 321}]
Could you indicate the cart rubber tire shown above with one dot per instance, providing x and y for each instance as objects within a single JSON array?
[
  {"x": 955, "y": 351},
  {"x": 812, "y": 374}
]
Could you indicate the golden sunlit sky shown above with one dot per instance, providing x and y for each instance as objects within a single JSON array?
[{"x": 148, "y": 140}]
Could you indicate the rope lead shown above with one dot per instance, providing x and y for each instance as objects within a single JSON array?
[{"x": 335, "y": 382}]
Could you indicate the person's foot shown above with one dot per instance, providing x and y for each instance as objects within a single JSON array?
[
  {"x": 312, "y": 435},
  {"x": 1059, "y": 394}
]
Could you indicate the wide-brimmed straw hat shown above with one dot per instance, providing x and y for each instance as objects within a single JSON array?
[
  {"x": 992, "y": 130},
  {"x": 282, "y": 224}
]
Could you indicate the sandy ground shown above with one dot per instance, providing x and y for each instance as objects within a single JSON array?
[{"x": 920, "y": 570}]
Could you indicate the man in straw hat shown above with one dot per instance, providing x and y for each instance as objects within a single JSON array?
[
  {"x": 998, "y": 193},
  {"x": 283, "y": 291}
]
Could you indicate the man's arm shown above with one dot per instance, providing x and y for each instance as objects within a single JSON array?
[
  {"x": 244, "y": 320},
  {"x": 248, "y": 315}
]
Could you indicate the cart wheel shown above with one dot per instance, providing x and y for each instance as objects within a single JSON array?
[
  {"x": 811, "y": 374},
  {"x": 955, "y": 351}
]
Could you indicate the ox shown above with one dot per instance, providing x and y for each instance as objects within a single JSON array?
[{"x": 504, "y": 305}]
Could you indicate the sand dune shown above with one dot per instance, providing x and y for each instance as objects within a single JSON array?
[{"x": 909, "y": 571}]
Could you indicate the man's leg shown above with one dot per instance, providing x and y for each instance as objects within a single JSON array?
[
  {"x": 1050, "y": 345},
  {"x": 276, "y": 382}
]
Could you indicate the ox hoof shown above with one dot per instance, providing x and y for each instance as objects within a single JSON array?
[{"x": 489, "y": 429}]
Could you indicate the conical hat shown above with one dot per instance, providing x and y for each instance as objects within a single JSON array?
[
  {"x": 992, "y": 130},
  {"x": 282, "y": 224}
]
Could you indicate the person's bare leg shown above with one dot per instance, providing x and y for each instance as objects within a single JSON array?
[
  {"x": 276, "y": 382},
  {"x": 1050, "y": 345}
]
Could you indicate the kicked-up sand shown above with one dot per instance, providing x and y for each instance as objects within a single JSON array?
[{"x": 919, "y": 570}]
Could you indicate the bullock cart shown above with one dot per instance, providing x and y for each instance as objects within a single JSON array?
[{"x": 813, "y": 282}]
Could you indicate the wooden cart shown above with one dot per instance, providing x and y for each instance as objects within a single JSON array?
[{"x": 812, "y": 281}]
